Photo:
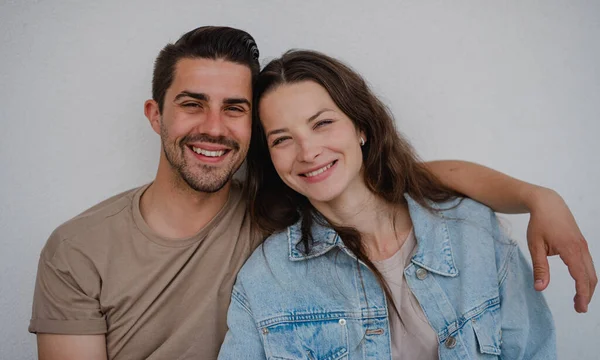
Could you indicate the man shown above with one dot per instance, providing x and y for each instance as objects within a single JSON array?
[{"x": 147, "y": 274}]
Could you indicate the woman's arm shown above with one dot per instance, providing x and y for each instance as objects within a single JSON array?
[
  {"x": 552, "y": 229},
  {"x": 242, "y": 340}
]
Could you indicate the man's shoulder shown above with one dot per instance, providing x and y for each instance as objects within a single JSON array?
[
  {"x": 98, "y": 214},
  {"x": 100, "y": 218}
]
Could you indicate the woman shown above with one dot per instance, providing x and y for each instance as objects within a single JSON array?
[{"x": 372, "y": 257}]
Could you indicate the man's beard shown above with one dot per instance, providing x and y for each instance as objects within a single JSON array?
[{"x": 207, "y": 179}]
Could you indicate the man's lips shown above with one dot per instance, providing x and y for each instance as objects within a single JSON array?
[
  {"x": 209, "y": 151},
  {"x": 209, "y": 146},
  {"x": 210, "y": 143}
]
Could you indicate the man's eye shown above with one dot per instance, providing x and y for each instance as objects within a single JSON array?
[
  {"x": 191, "y": 105},
  {"x": 235, "y": 108}
]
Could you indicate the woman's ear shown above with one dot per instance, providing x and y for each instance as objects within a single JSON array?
[{"x": 362, "y": 138}]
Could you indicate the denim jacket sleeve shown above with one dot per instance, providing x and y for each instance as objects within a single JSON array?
[
  {"x": 243, "y": 339},
  {"x": 528, "y": 330}
]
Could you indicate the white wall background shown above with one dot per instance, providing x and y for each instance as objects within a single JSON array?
[{"x": 513, "y": 84}]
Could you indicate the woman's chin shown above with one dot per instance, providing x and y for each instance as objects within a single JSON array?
[{"x": 321, "y": 196}]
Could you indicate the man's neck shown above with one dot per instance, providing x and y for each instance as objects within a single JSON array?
[{"x": 175, "y": 211}]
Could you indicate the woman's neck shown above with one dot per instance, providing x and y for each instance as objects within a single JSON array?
[{"x": 383, "y": 226}]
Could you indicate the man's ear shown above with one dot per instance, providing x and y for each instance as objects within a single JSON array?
[{"x": 152, "y": 112}]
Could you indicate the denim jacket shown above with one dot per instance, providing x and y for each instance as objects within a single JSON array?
[{"x": 472, "y": 282}]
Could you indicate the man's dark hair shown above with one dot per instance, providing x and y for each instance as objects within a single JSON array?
[{"x": 208, "y": 42}]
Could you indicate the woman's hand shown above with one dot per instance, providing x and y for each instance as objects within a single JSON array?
[{"x": 552, "y": 230}]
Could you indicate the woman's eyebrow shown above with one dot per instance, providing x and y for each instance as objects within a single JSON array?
[{"x": 316, "y": 115}]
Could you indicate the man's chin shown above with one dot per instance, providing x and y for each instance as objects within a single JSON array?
[
  {"x": 209, "y": 189},
  {"x": 210, "y": 186}
]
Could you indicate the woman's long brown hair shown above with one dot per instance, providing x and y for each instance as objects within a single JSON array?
[{"x": 390, "y": 166}]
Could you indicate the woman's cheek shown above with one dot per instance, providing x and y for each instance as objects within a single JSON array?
[{"x": 279, "y": 161}]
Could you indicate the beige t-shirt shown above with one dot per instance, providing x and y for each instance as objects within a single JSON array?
[
  {"x": 413, "y": 337},
  {"x": 107, "y": 272}
]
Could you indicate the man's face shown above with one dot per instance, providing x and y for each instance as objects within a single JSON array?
[{"x": 205, "y": 125}]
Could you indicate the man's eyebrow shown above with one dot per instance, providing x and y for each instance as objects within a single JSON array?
[
  {"x": 236, "y": 101},
  {"x": 197, "y": 96}
]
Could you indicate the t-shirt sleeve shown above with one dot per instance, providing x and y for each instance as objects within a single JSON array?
[{"x": 67, "y": 292}]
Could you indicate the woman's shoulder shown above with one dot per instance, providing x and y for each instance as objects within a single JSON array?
[
  {"x": 464, "y": 207},
  {"x": 460, "y": 215},
  {"x": 474, "y": 227},
  {"x": 453, "y": 209},
  {"x": 469, "y": 212}
]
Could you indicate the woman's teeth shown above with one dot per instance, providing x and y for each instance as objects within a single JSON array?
[{"x": 319, "y": 171}]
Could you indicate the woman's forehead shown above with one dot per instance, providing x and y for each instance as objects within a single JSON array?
[{"x": 299, "y": 99}]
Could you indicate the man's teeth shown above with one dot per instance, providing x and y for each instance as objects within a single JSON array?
[
  {"x": 319, "y": 171},
  {"x": 208, "y": 153}
]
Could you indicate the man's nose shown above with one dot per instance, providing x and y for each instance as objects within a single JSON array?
[{"x": 213, "y": 124}]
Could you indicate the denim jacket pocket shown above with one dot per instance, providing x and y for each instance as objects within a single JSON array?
[
  {"x": 312, "y": 340},
  {"x": 488, "y": 331}
]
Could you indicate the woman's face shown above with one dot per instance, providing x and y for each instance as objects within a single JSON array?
[{"x": 314, "y": 146}]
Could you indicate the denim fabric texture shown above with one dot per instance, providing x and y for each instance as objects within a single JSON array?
[{"x": 472, "y": 282}]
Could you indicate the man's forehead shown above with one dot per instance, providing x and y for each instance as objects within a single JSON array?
[{"x": 215, "y": 78}]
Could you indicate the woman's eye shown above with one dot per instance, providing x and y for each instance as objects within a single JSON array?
[
  {"x": 322, "y": 123},
  {"x": 279, "y": 141}
]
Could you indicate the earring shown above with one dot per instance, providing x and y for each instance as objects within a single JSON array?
[{"x": 362, "y": 141}]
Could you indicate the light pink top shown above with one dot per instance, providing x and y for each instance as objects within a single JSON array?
[{"x": 413, "y": 337}]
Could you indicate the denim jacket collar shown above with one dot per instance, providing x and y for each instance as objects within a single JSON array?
[
  {"x": 434, "y": 245},
  {"x": 324, "y": 238}
]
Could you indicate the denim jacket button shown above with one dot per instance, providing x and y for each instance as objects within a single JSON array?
[
  {"x": 421, "y": 273},
  {"x": 342, "y": 322},
  {"x": 450, "y": 342}
]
